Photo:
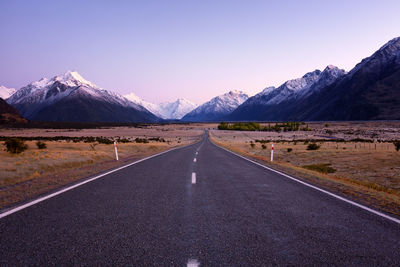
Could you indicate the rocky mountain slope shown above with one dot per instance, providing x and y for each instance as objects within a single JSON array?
[
  {"x": 370, "y": 91},
  {"x": 276, "y": 103},
  {"x": 8, "y": 114}
]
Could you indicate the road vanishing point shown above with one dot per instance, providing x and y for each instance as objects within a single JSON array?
[{"x": 198, "y": 205}]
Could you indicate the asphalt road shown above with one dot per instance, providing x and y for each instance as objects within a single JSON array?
[{"x": 230, "y": 213}]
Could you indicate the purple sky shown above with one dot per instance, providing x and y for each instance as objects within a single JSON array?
[{"x": 162, "y": 50}]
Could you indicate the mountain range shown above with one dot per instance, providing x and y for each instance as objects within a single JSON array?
[
  {"x": 167, "y": 110},
  {"x": 276, "y": 103},
  {"x": 217, "y": 108},
  {"x": 69, "y": 97},
  {"x": 370, "y": 91}
]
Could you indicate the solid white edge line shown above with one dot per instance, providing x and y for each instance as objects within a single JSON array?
[
  {"x": 316, "y": 188},
  {"x": 31, "y": 203}
]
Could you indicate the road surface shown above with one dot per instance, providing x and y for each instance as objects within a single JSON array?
[{"x": 217, "y": 210}]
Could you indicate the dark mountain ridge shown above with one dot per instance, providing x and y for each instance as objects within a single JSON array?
[{"x": 370, "y": 91}]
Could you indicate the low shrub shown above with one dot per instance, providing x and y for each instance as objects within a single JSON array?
[
  {"x": 322, "y": 168},
  {"x": 289, "y": 149},
  {"x": 264, "y": 146},
  {"x": 142, "y": 140},
  {"x": 15, "y": 145},
  {"x": 252, "y": 145},
  {"x": 313, "y": 146},
  {"x": 102, "y": 140},
  {"x": 123, "y": 140},
  {"x": 396, "y": 144},
  {"x": 157, "y": 139},
  {"x": 41, "y": 145}
]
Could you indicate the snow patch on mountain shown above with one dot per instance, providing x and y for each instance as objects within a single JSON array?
[
  {"x": 222, "y": 103},
  {"x": 166, "y": 110},
  {"x": 153, "y": 108},
  {"x": 176, "y": 109},
  {"x": 217, "y": 107},
  {"x": 6, "y": 92},
  {"x": 297, "y": 88}
]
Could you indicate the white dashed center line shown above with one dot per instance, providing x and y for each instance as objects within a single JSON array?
[
  {"x": 193, "y": 177},
  {"x": 193, "y": 263},
  {"x": 194, "y": 160}
]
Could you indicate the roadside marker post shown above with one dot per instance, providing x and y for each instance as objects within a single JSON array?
[
  {"x": 272, "y": 152},
  {"x": 116, "y": 150}
]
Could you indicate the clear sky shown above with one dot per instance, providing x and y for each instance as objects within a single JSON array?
[{"x": 162, "y": 50}]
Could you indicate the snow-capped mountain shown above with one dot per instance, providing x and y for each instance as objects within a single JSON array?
[
  {"x": 6, "y": 92},
  {"x": 217, "y": 108},
  {"x": 69, "y": 97},
  {"x": 153, "y": 108},
  {"x": 272, "y": 103},
  {"x": 297, "y": 88},
  {"x": 167, "y": 110},
  {"x": 370, "y": 91},
  {"x": 176, "y": 109}
]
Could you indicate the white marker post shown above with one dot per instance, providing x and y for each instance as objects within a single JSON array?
[
  {"x": 272, "y": 152},
  {"x": 116, "y": 150}
]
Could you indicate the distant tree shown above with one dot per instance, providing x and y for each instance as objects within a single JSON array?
[
  {"x": 313, "y": 146},
  {"x": 15, "y": 145},
  {"x": 41, "y": 145},
  {"x": 396, "y": 144}
]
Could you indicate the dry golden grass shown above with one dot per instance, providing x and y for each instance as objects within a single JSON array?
[
  {"x": 36, "y": 171},
  {"x": 367, "y": 172}
]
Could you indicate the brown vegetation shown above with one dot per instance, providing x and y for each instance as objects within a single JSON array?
[{"x": 365, "y": 169}]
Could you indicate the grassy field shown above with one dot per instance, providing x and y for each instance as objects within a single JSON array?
[
  {"x": 367, "y": 171},
  {"x": 37, "y": 171}
]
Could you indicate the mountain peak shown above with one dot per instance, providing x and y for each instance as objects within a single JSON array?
[
  {"x": 236, "y": 92},
  {"x": 73, "y": 78},
  {"x": 312, "y": 73},
  {"x": 6, "y": 92},
  {"x": 329, "y": 67}
]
